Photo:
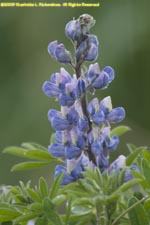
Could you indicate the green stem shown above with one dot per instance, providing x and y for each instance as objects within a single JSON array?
[{"x": 128, "y": 209}]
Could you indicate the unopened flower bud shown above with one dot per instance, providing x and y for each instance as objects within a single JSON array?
[
  {"x": 62, "y": 54},
  {"x": 73, "y": 30}
]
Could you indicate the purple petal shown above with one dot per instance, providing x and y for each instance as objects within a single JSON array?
[
  {"x": 96, "y": 147},
  {"x": 81, "y": 50},
  {"x": 52, "y": 113},
  {"x": 50, "y": 89},
  {"x": 119, "y": 163},
  {"x": 93, "y": 72},
  {"x": 52, "y": 48},
  {"x": 102, "y": 81},
  {"x": 98, "y": 118},
  {"x": 66, "y": 100},
  {"x": 93, "y": 106},
  {"x": 92, "y": 53},
  {"x": 110, "y": 71},
  {"x": 72, "y": 151},
  {"x": 83, "y": 124},
  {"x": 80, "y": 87},
  {"x": 73, "y": 30},
  {"x": 57, "y": 150},
  {"x": 60, "y": 124},
  {"x": 113, "y": 144},
  {"x": 116, "y": 115},
  {"x": 62, "y": 54},
  {"x": 92, "y": 39},
  {"x": 105, "y": 105}
]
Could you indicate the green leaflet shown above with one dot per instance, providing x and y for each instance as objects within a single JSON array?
[
  {"x": 33, "y": 153},
  {"x": 8, "y": 214},
  {"x": 43, "y": 187},
  {"x": 146, "y": 172},
  {"x": 120, "y": 130},
  {"x": 137, "y": 214},
  {"x": 30, "y": 153},
  {"x": 34, "y": 195},
  {"x": 29, "y": 165},
  {"x": 31, "y": 145},
  {"x": 130, "y": 158},
  {"x": 56, "y": 186}
]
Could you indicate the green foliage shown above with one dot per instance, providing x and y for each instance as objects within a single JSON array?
[{"x": 98, "y": 198}]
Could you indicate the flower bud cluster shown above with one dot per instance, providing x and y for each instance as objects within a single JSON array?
[{"x": 82, "y": 129}]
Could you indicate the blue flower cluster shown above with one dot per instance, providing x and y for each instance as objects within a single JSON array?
[{"x": 82, "y": 128}]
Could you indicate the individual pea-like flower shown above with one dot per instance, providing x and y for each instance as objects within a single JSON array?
[
  {"x": 60, "y": 122},
  {"x": 69, "y": 147},
  {"x": 111, "y": 115},
  {"x": 97, "y": 116},
  {"x": 102, "y": 81},
  {"x": 57, "y": 83},
  {"x": 99, "y": 79},
  {"x": 117, "y": 164},
  {"x": 58, "y": 52},
  {"x": 68, "y": 97},
  {"x": 73, "y": 169},
  {"x": 102, "y": 144}
]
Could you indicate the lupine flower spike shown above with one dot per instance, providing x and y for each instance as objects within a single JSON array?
[{"x": 83, "y": 128}]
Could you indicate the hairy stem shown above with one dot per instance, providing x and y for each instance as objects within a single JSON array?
[{"x": 101, "y": 217}]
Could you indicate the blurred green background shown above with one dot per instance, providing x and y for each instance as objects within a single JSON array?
[{"x": 123, "y": 29}]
